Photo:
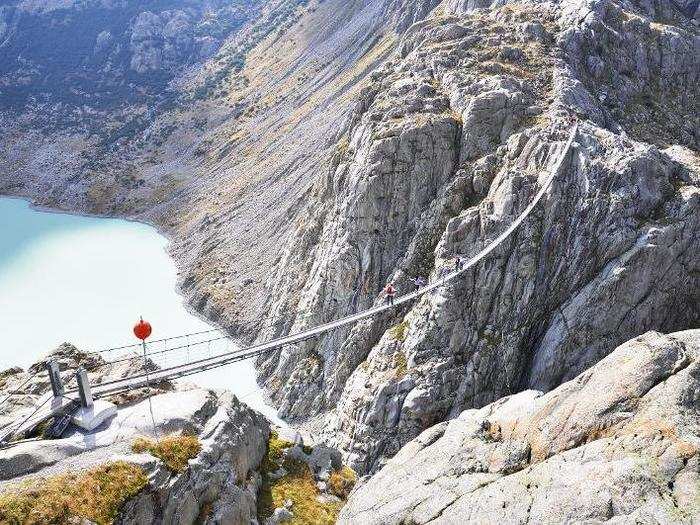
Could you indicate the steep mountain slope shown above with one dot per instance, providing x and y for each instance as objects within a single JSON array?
[
  {"x": 223, "y": 162},
  {"x": 313, "y": 151},
  {"x": 87, "y": 92},
  {"x": 443, "y": 152}
]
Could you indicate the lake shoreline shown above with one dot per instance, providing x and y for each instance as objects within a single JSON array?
[{"x": 183, "y": 299}]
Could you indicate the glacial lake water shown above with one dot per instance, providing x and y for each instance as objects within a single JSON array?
[{"x": 86, "y": 281}]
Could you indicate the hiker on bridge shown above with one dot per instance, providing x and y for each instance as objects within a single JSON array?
[
  {"x": 459, "y": 263},
  {"x": 390, "y": 293},
  {"x": 418, "y": 283}
]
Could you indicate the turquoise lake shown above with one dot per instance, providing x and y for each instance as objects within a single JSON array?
[{"x": 86, "y": 281}]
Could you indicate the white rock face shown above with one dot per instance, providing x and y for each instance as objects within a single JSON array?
[
  {"x": 146, "y": 34},
  {"x": 45, "y": 6},
  {"x": 224, "y": 476},
  {"x": 617, "y": 444},
  {"x": 444, "y": 149}
]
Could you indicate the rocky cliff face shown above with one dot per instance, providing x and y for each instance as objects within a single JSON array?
[
  {"x": 219, "y": 485},
  {"x": 617, "y": 444},
  {"x": 75, "y": 62},
  {"x": 443, "y": 151},
  {"x": 325, "y": 148}
]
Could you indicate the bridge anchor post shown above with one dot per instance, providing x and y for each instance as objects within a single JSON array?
[
  {"x": 91, "y": 413},
  {"x": 84, "y": 391},
  {"x": 55, "y": 378}
]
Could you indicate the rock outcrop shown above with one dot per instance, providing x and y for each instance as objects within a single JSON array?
[
  {"x": 617, "y": 444},
  {"x": 309, "y": 152},
  {"x": 219, "y": 485},
  {"x": 444, "y": 149}
]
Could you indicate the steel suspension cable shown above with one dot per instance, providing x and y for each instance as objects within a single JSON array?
[
  {"x": 16, "y": 390},
  {"x": 220, "y": 360}
]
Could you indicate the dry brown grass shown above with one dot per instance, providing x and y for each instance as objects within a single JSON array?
[
  {"x": 95, "y": 495},
  {"x": 300, "y": 487},
  {"x": 297, "y": 485},
  {"x": 400, "y": 365},
  {"x": 342, "y": 482},
  {"x": 175, "y": 451}
]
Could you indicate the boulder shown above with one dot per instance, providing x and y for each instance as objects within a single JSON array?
[
  {"x": 618, "y": 443},
  {"x": 281, "y": 515},
  {"x": 324, "y": 460},
  {"x": 221, "y": 482}
]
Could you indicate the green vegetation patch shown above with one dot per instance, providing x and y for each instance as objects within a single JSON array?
[
  {"x": 275, "y": 449},
  {"x": 175, "y": 451},
  {"x": 398, "y": 332},
  {"x": 491, "y": 340},
  {"x": 297, "y": 485},
  {"x": 95, "y": 495}
]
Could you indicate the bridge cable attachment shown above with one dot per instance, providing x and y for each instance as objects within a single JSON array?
[
  {"x": 148, "y": 387},
  {"x": 84, "y": 391},
  {"x": 55, "y": 378}
]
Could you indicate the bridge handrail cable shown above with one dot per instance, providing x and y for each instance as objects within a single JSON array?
[{"x": 220, "y": 360}]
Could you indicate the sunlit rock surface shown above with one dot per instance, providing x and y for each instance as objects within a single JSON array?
[
  {"x": 447, "y": 144},
  {"x": 617, "y": 444},
  {"x": 221, "y": 483},
  {"x": 300, "y": 155}
]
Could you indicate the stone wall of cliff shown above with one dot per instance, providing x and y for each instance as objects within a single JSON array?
[
  {"x": 617, "y": 444},
  {"x": 444, "y": 149}
]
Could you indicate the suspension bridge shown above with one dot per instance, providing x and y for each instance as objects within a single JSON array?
[{"x": 65, "y": 399}]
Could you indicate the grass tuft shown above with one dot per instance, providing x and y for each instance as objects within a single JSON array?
[
  {"x": 342, "y": 146},
  {"x": 342, "y": 482},
  {"x": 400, "y": 364},
  {"x": 297, "y": 485},
  {"x": 398, "y": 332},
  {"x": 175, "y": 451},
  {"x": 275, "y": 450},
  {"x": 95, "y": 495}
]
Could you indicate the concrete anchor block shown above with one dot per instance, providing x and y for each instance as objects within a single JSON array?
[{"x": 89, "y": 418}]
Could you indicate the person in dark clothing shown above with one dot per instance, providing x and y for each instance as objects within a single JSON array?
[
  {"x": 418, "y": 282},
  {"x": 390, "y": 293},
  {"x": 459, "y": 263}
]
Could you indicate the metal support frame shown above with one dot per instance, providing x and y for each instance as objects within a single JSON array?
[
  {"x": 55, "y": 378},
  {"x": 84, "y": 391}
]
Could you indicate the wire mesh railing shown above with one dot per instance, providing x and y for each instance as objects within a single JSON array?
[{"x": 221, "y": 350}]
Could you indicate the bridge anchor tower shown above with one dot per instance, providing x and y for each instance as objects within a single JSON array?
[
  {"x": 55, "y": 378},
  {"x": 92, "y": 412}
]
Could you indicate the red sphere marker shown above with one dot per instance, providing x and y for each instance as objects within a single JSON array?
[{"x": 142, "y": 329}]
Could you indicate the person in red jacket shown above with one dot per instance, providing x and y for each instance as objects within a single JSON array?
[{"x": 390, "y": 293}]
